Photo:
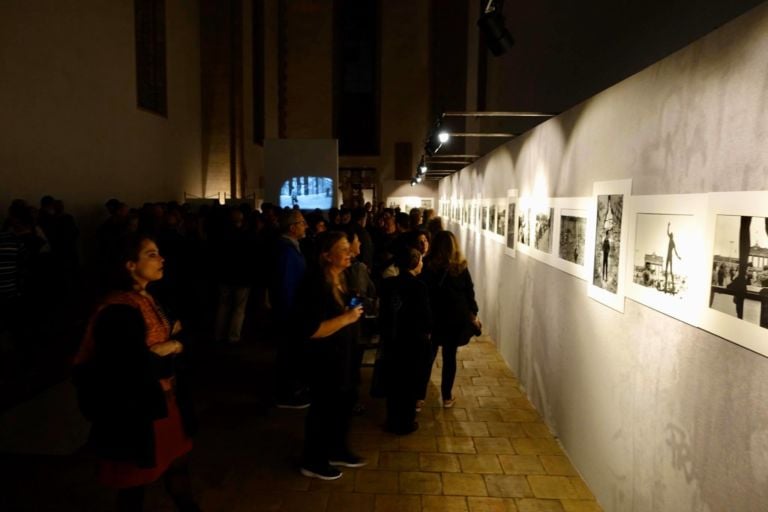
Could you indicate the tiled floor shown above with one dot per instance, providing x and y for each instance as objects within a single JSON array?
[{"x": 491, "y": 452}]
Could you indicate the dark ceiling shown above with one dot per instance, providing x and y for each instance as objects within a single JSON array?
[{"x": 567, "y": 51}]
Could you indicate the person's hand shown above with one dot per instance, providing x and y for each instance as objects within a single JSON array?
[
  {"x": 352, "y": 315},
  {"x": 167, "y": 348}
]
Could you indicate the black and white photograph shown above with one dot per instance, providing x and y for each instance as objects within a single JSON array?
[
  {"x": 739, "y": 280},
  {"x": 523, "y": 231},
  {"x": 608, "y": 242},
  {"x": 735, "y": 269},
  {"x": 510, "y": 246},
  {"x": 501, "y": 217},
  {"x": 484, "y": 218},
  {"x": 542, "y": 229},
  {"x": 492, "y": 218},
  {"x": 573, "y": 237},
  {"x": 511, "y": 225},
  {"x": 664, "y": 253}
]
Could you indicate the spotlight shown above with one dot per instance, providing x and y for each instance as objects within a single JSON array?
[
  {"x": 491, "y": 24},
  {"x": 436, "y": 138},
  {"x": 422, "y": 169},
  {"x": 413, "y": 182},
  {"x": 419, "y": 179}
]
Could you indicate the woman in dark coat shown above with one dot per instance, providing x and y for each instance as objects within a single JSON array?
[
  {"x": 454, "y": 310},
  {"x": 325, "y": 317},
  {"x": 130, "y": 389},
  {"x": 406, "y": 325}
]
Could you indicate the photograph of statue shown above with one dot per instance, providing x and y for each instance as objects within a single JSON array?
[
  {"x": 663, "y": 253},
  {"x": 608, "y": 242}
]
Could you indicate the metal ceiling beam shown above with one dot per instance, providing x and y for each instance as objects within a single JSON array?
[
  {"x": 478, "y": 134},
  {"x": 497, "y": 114},
  {"x": 449, "y": 155}
]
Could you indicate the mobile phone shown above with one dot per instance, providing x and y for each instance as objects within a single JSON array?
[{"x": 355, "y": 301}]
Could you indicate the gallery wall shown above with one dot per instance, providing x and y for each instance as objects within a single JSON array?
[
  {"x": 70, "y": 122},
  {"x": 656, "y": 414}
]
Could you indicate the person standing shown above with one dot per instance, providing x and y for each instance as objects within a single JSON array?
[
  {"x": 671, "y": 248},
  {"x": 406, "y": 327},
  {"x": 452, "y": 300},
  {"x": 131, "y": 387},
  {"x": 289, "y": 270},
  {"x": 606, "y": 253},
  {"x": 325, "y": 317}
]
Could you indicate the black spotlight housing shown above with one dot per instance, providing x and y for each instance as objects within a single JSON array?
[
  {"x": 491, "y": 23},
  {"x": 432, "y": 145}
]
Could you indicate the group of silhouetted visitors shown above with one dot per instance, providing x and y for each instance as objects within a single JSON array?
[{"x": 328, "y": 283}]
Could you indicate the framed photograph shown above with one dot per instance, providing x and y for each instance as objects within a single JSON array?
[
  {"x": 607, "y": 247},
  {"x": 484, "y": 217},
  {"x": 736, "y": 307},
  {"x": 570, "y": 235},
  {"x": 501, "y": 218},
  {"x": 665, "y": 254},
  {"x": 511, "y": 234},
  {"x": 492, "y": 217},
  {"x": 542, "y": 217},
  {"x": 523, "y": 224}
]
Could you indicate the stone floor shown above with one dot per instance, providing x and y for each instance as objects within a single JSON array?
[{"x": 491, "y": 452}]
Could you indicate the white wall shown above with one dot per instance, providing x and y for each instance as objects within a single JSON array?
[
  {"x": 69, "y": 124},
  {"x": 656, "y": 415}
]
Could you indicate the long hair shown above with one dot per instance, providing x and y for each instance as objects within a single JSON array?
[
  {"x": 325, "y": 242},
  {"x": 444, "y": 254}
]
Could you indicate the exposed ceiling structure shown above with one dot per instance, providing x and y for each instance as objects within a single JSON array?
[{"x": 566, "y": 52}]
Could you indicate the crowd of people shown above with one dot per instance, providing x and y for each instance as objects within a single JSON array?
[{"x": 319, "y": 274}]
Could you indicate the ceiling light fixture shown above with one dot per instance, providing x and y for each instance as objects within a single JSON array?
[
  {"x": 436, "y": 138},
  {"x": 422, "y": 169}
]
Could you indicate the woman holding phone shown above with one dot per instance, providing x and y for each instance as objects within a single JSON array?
[{"x": 326, "y": 312}]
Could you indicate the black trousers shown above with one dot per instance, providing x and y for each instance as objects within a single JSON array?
[
  {"x": 290, "y": 367},
  {"x": 327, "y": 423},
  {"x": 402, "y": 390},
  {"x": 448, "y": 374}
]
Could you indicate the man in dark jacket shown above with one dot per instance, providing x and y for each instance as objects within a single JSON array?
[{"x": 289, "y": 268}]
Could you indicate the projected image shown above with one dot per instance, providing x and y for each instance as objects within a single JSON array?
[{"x": 307, "y": 192}]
